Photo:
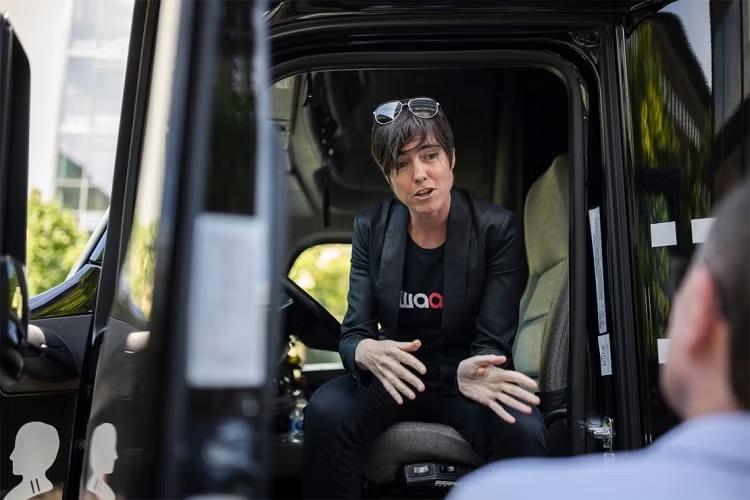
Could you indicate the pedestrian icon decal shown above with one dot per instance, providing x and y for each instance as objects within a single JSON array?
[
  {"x": 102, "y": 457},
  {"x": 35, "y": 451}
]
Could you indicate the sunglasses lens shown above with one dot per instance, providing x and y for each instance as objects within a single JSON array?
[
  {"x": 387, "y": 112},
  {"x": 423, "y": 107}
]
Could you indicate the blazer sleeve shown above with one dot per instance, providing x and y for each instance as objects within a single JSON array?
[
  {"x": 360, "y": 321},
  {"x": 497, "y": 319}
]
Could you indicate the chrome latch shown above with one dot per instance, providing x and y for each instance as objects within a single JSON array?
[{"x": 604, "y": 432}]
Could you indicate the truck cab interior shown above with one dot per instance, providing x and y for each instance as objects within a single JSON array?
[{"x": 511, "y": 133}]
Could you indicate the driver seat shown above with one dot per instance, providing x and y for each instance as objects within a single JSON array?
[{"x": 540, "y": 349}]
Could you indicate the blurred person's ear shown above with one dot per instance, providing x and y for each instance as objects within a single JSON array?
[
  {"x": 695, "y": 377},
  {"x": 708, "y": 324}
]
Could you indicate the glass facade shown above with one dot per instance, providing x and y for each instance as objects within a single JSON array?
[{"x": 90, "y": 108}]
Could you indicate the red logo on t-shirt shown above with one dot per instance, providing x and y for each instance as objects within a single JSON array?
[{"x": 421, "y": 300}]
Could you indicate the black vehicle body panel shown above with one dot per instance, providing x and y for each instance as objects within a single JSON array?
[{"x": 15, "y": 88}]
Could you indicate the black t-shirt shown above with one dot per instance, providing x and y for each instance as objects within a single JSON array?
[{"x": 421, "y": 295}]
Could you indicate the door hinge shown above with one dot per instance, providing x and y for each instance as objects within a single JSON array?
[{"x": 604, "y": 431}]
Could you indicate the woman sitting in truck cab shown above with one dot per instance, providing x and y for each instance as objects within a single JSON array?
[{"x": 442, "y": 273}]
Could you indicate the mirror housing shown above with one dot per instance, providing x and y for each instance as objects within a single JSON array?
[
  {"x": 14, "y": 317},
  {"x": 15, "y": 88}
]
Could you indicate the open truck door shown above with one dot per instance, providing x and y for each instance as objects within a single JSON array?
[
  {"x": 22, "y": 438},
  {"x": 180, "y": 404},
  {"x": 14, "y": 145},
  {"x": 45, "y": 388}
]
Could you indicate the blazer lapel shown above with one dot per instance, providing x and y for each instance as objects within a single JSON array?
[
  {"x": 392, "y": 264},
  {"x": 455, "y": 262}
]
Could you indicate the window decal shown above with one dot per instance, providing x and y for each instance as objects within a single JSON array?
[
  {"x": 596, "y": 247},
  {"x": 662, "y": 348},
  {"x": 663, "y": 234},
  {"x": 34, "y": 453},
  {"x": 700, "y": 229},
  {"x": 102, "y": 457}
]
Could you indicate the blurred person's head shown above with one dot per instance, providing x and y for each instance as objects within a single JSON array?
[{"x": 708, "y": 365}]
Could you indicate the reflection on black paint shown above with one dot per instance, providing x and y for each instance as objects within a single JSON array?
[
  {"x": 72, "y": 297},
  {"x": 677, "y": 167},
  {"x": 230, "y": 183}
]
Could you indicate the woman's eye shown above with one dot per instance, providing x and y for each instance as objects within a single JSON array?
[
  {"x": 431, "y": 156},
  {"x": 401, "y": 165}
]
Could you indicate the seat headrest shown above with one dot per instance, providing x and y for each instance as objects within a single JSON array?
[{"x": 546, "y": 217}]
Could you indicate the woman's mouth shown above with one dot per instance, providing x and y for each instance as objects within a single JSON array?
[{"x": 423, "y": 193}]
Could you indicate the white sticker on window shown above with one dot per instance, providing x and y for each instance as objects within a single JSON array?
[
  {"x": 35, "y": 451},
  {"x": 229, "y": 300},
  {"x": 662, "y": 348},
  {"x": 605, "y": 355},
  {"x": 596, "y": 246},
  {"x": 102, "y": 457},
  {"x": 663, "y": 234},
  {"x": 700, "y": 229}
]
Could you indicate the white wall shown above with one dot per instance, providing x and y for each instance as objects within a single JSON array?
[{"x": 43, "y": 26}]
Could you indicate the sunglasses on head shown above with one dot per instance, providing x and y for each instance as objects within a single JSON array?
[{"x": 422, "y": 107}]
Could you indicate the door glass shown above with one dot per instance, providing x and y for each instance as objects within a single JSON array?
[
  {"x": 121, "y": 402},
  {"x": 323, "y": 272},
  {"x": 684, "y": 83},
  {"x": 77, "y": 51}
]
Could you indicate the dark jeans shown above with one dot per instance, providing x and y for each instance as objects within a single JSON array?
[{"x": 343, "y": 418}]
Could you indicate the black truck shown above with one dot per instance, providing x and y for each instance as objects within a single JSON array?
[{"x": 168, "y": 363}]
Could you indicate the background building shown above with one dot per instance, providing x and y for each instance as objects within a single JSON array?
[
  {"x": 90, "y": 108},
  {"x": 77, "y": 50}
]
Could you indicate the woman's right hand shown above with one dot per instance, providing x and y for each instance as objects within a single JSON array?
[{"x": 388, "y": 361}]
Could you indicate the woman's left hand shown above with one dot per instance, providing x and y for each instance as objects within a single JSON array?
[{"x": 480, "y": 378}]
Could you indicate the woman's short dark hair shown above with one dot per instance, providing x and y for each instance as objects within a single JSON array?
[{"x": 387, "y": 140}]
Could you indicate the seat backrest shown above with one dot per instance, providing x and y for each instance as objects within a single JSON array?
[{"x": 540, "y": 349}]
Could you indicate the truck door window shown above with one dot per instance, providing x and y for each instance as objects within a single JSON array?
[{"x": 323, "y": 272}]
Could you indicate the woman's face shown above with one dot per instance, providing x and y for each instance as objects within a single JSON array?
[{"x": 423, "y": 177}]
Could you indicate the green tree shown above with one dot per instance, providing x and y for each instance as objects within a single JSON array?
[
  {"x": 53, "y": 243},
  {"x": 323, "y": 272},
  {"x": 140, "y": 265}
]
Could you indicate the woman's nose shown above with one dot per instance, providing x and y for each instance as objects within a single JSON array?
[{"x": 420, "y": 171}]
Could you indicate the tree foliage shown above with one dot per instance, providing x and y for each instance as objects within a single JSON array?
[
  {"x": 53, "y": 242},
  {"x": 323, "y": 272},
  {"x": 141, "y": 264}
]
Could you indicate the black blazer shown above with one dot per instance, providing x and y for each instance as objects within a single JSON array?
[{"x": 483, "y": 280}]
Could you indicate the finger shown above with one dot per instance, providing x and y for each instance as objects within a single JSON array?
[
  {"x": 513, "y": 403},
  {"x": 408, "y": 376},
  {"x": 500, "y": 411},
  {"x": 409, "y": 346},
  {"x": 520, "y": 393},
  {"x": 489, "y": 359},
  {"x": 412, "y": 361},
  {"x": 391, "y": 390},
  {"x": 522, "y": 380},
  {"x": 400, "y": 385}
]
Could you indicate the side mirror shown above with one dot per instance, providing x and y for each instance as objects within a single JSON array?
[
  {"x": 14, "y": 317},
  {"x": 15, "y": 87}
]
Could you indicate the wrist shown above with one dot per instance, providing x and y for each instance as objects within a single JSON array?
[{"x": 360, "y": 353}]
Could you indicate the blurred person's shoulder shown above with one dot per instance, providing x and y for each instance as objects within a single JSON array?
[{"x": 704, "y": 458}]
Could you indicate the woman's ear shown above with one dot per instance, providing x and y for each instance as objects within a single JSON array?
[{"x": 453, "y": 158}]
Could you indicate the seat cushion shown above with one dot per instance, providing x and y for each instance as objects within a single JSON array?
[{"x": 412, "y": 442}]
